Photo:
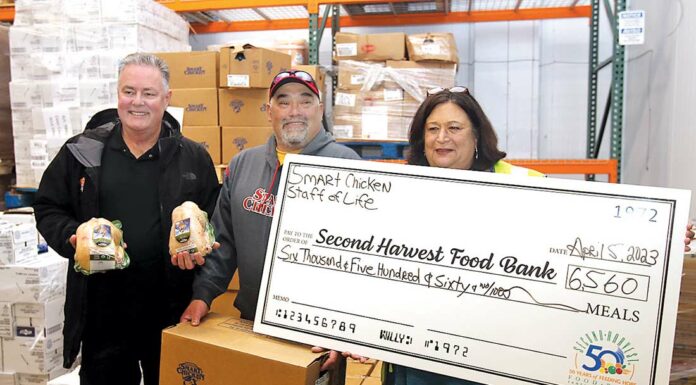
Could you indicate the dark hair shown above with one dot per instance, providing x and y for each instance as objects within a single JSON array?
[{"x": 487, "y": 140}]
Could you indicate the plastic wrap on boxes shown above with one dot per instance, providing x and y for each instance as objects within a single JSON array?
[
  {"x": 352, "y": 74},
  {"x": 436, "y": 46},
  {"x": 35, "y": 346},
  {"x": 6, "y": 320},
  {"x": 384, "y": 105},
  {"x": 39, "y": 280},
  {"x": 375, "y": 114},
  {"x": 18, "y": 243}
]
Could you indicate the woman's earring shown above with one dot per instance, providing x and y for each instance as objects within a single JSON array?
[{"x": 476, "y": 152}]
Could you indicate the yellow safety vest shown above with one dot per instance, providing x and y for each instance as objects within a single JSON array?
[{"x": 502, "y": 167}]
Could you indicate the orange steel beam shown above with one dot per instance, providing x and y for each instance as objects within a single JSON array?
[
  {"x": 214, "y": 5},
  {"x": 559, "y": 166},
  {"x": 426, "y": 18},
  {"x": 7, "y": 13},
  {"x": 572, "y": 166}
]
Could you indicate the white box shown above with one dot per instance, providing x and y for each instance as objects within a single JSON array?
[
  {"x": 24, "y": 40},
  {"x": 98, "y": 92},
  {"x": 36, "y": 319},
  {"x": 21, "y": 67},
  {"x": 39, "y": 280},
  {"x": 22, "y": 124},
  {"x": 18, "y": 243},
  {"x": 25, "y": 94},
  {"x": 6, "y": 321},
  {"x": 63, "y": 93},
  {"x": 41, "y": 379},
  {"x": 39, "y": 355}
]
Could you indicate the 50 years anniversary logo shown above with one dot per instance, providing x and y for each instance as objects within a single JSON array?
[{"x": 603, "y": 358}]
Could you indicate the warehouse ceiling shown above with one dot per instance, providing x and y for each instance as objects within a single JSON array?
[{"x": 373, "y": 9}]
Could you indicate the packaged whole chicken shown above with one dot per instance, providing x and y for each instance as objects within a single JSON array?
[
  {"x": 100, "y": 247},
  {"x": 191, "y": 230}
]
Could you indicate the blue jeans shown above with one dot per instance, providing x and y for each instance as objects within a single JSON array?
[{"x": 402, "y": 375}]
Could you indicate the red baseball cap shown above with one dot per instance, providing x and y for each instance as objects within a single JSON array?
[{"x": 293, "y": 76}]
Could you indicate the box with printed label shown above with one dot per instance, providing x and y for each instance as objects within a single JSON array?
[
  {"x": 353, "y": 74},
  {"x": 197, "y": 69},
  {"x": 208, "y": 136},
  {"x": 378, "y": 114},
  {"x": 18, "y": 242},
  {"x": 224, "y": 350},
  {"x": 436, "y": 46},
  {"x": 243, "y": 107},
  {"x": 237, "y": 139},
  {"x": 38, "y": 355},
  {"x": 34, "y": 319},
  {"x": 200, "y": 105},
  {"x": 39, "y": 280},
  {"x": 375, "y": 46},
  {"x": 246, "y": 66},
  {"x": 6, "y": 321}
]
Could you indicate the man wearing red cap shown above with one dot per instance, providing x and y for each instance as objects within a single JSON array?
[{"x": 244, "y": 209}]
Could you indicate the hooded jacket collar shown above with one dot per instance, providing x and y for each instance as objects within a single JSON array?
[
  {"x": 321, "y": 140},
  {"x": 88, "y": 147}
]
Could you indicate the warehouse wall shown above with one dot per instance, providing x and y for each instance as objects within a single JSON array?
[
  {"x": 530, "y": 77},
  {"x": 660, "y": 133}
]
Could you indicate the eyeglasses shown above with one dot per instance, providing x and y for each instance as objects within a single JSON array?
[
  {"x": 455, "y": 90},
  {"x": 296, "y": 76}
]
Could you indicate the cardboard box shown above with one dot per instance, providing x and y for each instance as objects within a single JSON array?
[
  {"x": 39, "y": 280},
  {"x": 236, "y": 139},
  {"x": 224, "y": 304},
  {"x": 208, "y": 136},
  {"x": 318, "y": 73},
  {"x": 197, "y": 69},
  {"x": 6, "y": 321},
  {"x": 38, "y": 355},
  {"x": 224, "y": 350},
  {"x": 200, "y": 105},
  {"x": 243, "y": 107},
  {"x": 234, "y": 283},
  {"x": 352, "y": 74},
  {"x": 376, "y": 46},
  {"x": 437, "y": 46},
  {"x": 379, "y": 114},
  {"x": 425, "y": 75},
  {"x": 32, "y": 320},
  {"x": 18, "y": 243},
  {"x": 246, "y": 66}
]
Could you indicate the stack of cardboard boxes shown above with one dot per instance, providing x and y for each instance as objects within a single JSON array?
[
  {"x": 224, "y": 96},
  {"x": 379, "y": 91},
  {"x": 246, "y": 73},
  {"x": 32, "y": 294},
  {"x": 193, "y": 80},
  {"x": 64, "y": 62}
]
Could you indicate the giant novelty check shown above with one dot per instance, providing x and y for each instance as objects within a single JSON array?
[{"x": 498, "y": 279}]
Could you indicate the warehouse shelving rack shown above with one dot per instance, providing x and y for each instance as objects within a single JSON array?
[{"x": 212, "y": 16}]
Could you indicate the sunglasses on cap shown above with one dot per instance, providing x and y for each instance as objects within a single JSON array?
[
  {"x": 293, "y": 76},
  {"x": 455, "y": 90}
]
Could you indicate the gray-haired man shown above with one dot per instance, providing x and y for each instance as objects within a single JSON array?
[{"x": 132, "y": 165}]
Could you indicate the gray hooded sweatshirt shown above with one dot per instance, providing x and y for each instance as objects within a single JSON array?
[{"x": 242, "y": 220}]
